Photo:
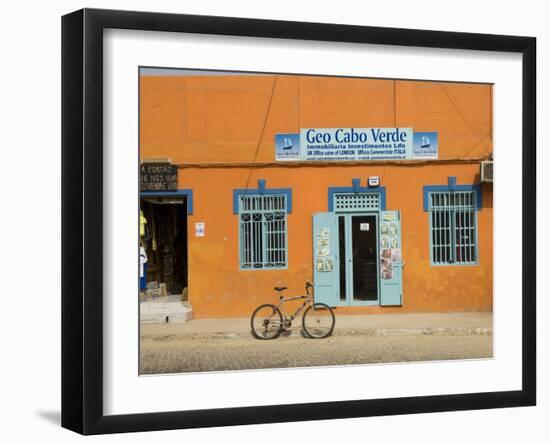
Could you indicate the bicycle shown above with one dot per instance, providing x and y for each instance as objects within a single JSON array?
[{"x": 267, "y": 321}]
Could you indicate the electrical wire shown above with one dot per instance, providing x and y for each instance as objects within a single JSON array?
[{"x": 262, "y": 132}]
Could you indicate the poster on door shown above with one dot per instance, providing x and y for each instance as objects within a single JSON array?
[
  {"x": 324, "y": 262},
  {"x": 386, "y": 264},
  {"x": 390, "y": 247}
]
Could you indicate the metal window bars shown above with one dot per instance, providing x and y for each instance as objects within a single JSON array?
[
  {"x": 453, "y": 227},
  {"x": 263, "y": 240}
]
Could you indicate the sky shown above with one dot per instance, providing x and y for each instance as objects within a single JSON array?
[{"x": 189, "y": 72}]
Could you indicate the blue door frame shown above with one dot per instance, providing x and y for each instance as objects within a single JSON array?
[
  {"x": 327, "y": 279},
  {"x": 346, "y": 203},
  {"x": 188, "y": 193},
  {"x": 349, "y": 296}
]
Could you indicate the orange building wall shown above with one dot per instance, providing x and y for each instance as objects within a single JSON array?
[
  {"x": 221, "y": 119},
  {"x": 216, "y": 129}
]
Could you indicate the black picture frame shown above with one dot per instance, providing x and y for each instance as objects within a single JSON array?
[{"x": 82, "y": 215}]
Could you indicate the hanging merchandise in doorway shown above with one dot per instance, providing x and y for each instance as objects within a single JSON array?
[{"x": 163, "y": 229}]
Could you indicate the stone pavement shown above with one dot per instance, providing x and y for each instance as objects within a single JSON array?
[
  {"x": 181, "y": 355},
  {"x": 227, "y": 344}
]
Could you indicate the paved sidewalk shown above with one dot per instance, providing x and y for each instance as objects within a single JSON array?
[
  {"x": 470, "y": 323},
  {"x": 227, "y": 344}
]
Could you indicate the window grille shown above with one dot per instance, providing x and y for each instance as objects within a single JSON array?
[
  {"x": 356, "y": 202},
  {"x": 453, "y": 221},
  {"x": 263, "y": 238}
]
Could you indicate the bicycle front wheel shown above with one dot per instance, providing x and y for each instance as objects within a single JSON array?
[
  {"x": 318, "y": 321},
  {"x": 266, "y": 322}
]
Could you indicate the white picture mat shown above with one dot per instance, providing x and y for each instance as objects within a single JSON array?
[{"x": 125, "y": 392}]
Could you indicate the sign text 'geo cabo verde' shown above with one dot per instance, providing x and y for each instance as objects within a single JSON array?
[
  {"x": 352, "y": 144},
  {"x": 353, "y": 135},
  {"x": 356, "y": 143}
]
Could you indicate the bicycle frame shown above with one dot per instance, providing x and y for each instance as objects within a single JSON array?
[{"x": 282, "y": 300}]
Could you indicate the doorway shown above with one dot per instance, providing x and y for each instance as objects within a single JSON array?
[
  {"x": 359, "y": 258},
  {"x": 163, "y": 236}
]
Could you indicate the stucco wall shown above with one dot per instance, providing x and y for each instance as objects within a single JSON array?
[
  {"x": 221, "y": 119},
  {"x": 213, "y": 127},
  {"x": 218, "y": 288}
]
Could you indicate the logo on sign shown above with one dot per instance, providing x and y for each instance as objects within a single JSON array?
[
  {"x": 287, "y": 147},
  {"x": 425, "y": 145}
]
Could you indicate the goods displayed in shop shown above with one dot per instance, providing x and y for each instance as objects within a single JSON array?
[{"x": 163, "y": 237}]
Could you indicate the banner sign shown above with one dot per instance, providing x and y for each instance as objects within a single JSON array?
[
  {"x": 351, "y": 144},
  {"x": 356, "y": 143}
]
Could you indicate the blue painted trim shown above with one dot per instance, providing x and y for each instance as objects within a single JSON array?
[
  {"x": 356, "y": 189},
  {"x": 451, "y": 181},
  {"x": 261, "y": 187},
  {"x": 450, "y": 187},
  {"x": 262, "y": 190},
  {"x": 179, "y": 193}
]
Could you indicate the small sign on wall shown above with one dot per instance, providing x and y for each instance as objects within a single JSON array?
[
  {"x": 364, "y": 226},
  {"x": 199, "y": 229},
  {"x": 158, "y": 177}
]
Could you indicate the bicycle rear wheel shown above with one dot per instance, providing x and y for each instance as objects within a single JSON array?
[
  {"x": 318, "y": 321},
  {"x": 266, "y": 322}
]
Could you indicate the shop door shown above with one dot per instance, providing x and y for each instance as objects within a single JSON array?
[
  {"x": 358, "y": 265},
  {"x": 363, "y": 259},
  {"x": 325, "y": 258},
  {"x": 357, "y": 258},
  {"x": 391, "y": 260}
]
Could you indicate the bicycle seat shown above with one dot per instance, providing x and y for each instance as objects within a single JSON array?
[{"x": 280, "y": 288}]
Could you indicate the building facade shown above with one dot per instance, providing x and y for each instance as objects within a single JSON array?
[{"x": 375, "y": 236}]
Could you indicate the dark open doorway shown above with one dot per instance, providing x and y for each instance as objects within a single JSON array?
[
  {"x": 163, "y": 235},
  {"x": 365, "y": 257}
]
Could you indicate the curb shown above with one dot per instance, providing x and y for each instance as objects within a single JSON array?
[
  {"x": 297, "y": 333},
  {"x": 415, "y": 331}
]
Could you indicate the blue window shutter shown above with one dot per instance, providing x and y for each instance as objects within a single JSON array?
[
  {"x": 391, "y": 260},
  {"x": 326, "y": 270}
]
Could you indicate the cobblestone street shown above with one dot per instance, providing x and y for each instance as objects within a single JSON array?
[{"x": 172, "y": 353}]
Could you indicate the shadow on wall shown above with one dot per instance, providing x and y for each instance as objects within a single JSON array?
[{"x": 54, "y": 417}]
